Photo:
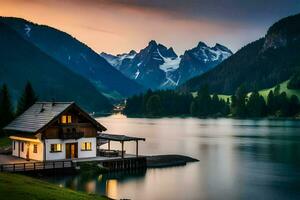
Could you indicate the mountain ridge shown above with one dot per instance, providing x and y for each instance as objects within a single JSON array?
[
  {"x": 159, "y": 67},
  {"x": 75, "y": 55},
  {"x": 50, "y": 79},
  {"x": 260, "y": 64}
]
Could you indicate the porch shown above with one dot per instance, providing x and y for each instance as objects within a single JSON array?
[{"x": 104, "y": 138}]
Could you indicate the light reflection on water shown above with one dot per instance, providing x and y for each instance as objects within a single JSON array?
[{"x": 239, "y": 159}]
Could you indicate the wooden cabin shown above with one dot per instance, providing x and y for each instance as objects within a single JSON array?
[{"x": 54, "y": 131}]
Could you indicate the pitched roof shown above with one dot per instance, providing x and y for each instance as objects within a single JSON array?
[
  {"x": 41, "y": 114},
  {"x": 115, "y": 137}
]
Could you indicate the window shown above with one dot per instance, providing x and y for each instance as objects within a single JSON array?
[
  {"x": 22, "y": 146},
  {"x": 86, "y": 146},
  {"x": 35, "y": 148},
  {"x": 56, "y": 147},
  {"x": 69, "y": 119},
  {"x": 66, "y": 119}
]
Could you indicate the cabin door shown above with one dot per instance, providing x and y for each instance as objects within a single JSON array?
[{"x": 71, "y": 150}]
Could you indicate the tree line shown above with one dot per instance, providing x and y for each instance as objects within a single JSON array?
[
  {"x": 240, "y": 105},
  {"x": 8, "y": 112}
]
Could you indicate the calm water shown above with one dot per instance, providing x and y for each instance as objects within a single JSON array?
[{"x": 239, "y": 159}]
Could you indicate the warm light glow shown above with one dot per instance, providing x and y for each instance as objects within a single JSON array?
[
  {"x": 111, "y": 188},
  {"x": 56, "y": 147},
  {"x": 64, "y": 119},
  {"x": 24, "y": 139},
  {"x": 86, "y": 146},
  {"x": 91, "y": 187},
  {"x": 69, "y": 119},
  {"x": 117, "y": 28}
]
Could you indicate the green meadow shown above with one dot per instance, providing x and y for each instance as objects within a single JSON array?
[{"x": 14, "y": 186}]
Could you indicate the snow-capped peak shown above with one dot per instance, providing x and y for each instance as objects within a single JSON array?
[
  {"x": 116, "y": 61},
  {"x": 169, "y": 64},
  {"x": 159, "y": 67}
]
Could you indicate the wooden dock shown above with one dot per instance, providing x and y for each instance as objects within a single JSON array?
[
  {"x": 36, "y": 166},
  {"x": 125, "y": 163},
  {"x": 115, "y": 164}
]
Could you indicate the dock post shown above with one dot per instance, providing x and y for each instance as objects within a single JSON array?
[
  {"x": 108, "y": 145},
  {"x": 137, "y": 148},
  {"x": 122, "y": 153}
]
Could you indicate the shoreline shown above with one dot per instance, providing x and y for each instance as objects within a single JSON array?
[{"x": 211, "y": 117}]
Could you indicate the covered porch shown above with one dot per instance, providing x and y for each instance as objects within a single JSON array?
[{"x": 104, "y": 138}]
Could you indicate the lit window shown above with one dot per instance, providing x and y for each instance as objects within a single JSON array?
[
  {"x": 66, "y": 119},
  {"x": 35, "y": 148},
  {"x": 86, "y": 146},
  {"x": 69, "y": 119},
  {"x": 56, "y": 147}
]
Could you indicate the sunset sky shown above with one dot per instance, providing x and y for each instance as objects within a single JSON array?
[{"x": 117, "y": 26}]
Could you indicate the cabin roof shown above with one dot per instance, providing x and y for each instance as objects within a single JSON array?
[
  {"x": 115, "y": 137},
  {"x": 41, "y": 114}
]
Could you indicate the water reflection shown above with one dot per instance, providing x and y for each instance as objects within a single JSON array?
[{"x": 239, "y": 159}]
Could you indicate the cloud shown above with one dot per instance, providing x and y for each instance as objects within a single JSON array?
[
  {"x": 98, "y": 29},
  {"x": 215, "y": 10}
]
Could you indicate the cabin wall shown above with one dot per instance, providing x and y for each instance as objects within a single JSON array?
[
  {"x": 40, "y": 152},
  {"x": 54, "y": 131},
  {"x": 15, "y": 148},
  {"x": 62, "y": 155},
  {"x": 28, "y": 149}
]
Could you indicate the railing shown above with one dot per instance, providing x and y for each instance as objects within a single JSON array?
[{"x": 35, "y": 166}]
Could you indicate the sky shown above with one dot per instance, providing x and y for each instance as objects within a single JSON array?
[{"x": 118, "y": 26}]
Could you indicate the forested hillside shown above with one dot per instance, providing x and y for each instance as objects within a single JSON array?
[
  {"x": 260, "y": 64},
  {"x": 21, "y": 62}
]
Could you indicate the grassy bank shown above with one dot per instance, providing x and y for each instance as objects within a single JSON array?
[
  {"x": 283, "y": 88},
  {"x": 14, "y": 186},
  {"x": 265, "y": 92}
]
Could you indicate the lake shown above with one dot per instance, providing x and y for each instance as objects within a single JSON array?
[{"x": 239, "y": 159}]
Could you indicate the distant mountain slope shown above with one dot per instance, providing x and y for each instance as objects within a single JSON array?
[
  {"x": 159, "y": 67},
  {"x": 76, "y": 56},
  {"x": 201, "y": 59},
  {"x": 260, "y": 64},
  {"x": 21, "y": 61}
]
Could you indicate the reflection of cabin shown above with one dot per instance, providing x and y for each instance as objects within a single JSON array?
[{"x": 53, "y": 131}]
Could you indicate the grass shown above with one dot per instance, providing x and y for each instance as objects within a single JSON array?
[
  {"x": 265, "y": 92},
  {"x": 4, "y": 141},
  {"x": 283, "y": 88},
  {"x": 14, "y": 186}
]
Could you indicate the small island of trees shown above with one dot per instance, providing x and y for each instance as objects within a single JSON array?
[{"x": 240, "y": 105}]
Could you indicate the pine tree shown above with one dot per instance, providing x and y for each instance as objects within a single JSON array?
[
  {"x": 27, "y": 99},
  {"x": 154, "y": 107},
  {"x": 277, "y": 90},
  {"x": 283, "y": 103},
  {"x": 6, "y": 108},
  {"x": 256, "y": 105},
  {"x": 294, "y": 105},
  {"x": 271, "y": 103},
  {"x": 239, "y": 102}
]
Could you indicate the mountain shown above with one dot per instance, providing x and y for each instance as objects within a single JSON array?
[
  {"x": 201, "y": 59},
  {"x": 21, "y": 61},
  {"x": 76, "y": 56},
  {"x": 260, "y": 64},
  {"x": 120, "y": 59},
  {"x": 159, "y": 67}
]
